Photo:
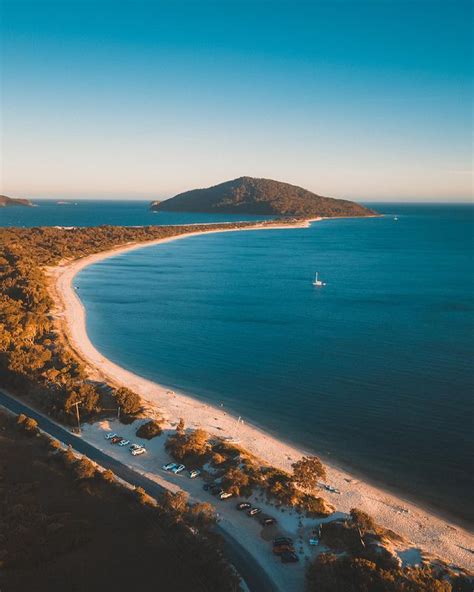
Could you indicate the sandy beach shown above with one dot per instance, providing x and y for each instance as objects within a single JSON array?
[{"x": 431, "y": 534}]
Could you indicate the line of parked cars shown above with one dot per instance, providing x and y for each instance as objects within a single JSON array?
[
  {"x": 264, "y": 519},
  {"x": 217, "y": 490},
  {"x": 177, "y": 468},
  {"x": 135, "y": 449}
]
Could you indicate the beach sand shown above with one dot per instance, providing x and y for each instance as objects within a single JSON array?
[{"x": 423, "y": 530}]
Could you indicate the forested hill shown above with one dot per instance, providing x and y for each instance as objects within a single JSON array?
[
  {"x": 12, "y": 201},
  {"x": 248, "y": 195}
]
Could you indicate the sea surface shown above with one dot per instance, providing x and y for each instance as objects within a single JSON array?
[
  {"x": 373, "y": 371},
  {"x": 48, "y": 212}
]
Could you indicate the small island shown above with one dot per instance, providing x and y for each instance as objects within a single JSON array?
[
  {"x": 6, "y": 202},
  {"x": 249, "y": 195}
]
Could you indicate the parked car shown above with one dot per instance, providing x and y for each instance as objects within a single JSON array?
[
  {"x": 177, "y": 469},
  {"x": 123, "y": 442},
  {"x": 267, "y": 520},
  {"x": 243, "y": 506},
  {"x": 116, "y": 439},
  {"x": 207, "y": 486},
  {"x": 138, "y": 451},
  {"x": 282, "y": 541},
  {"x": 254, "y": 511},
  {"x": 284, "y": 548},
  {"x": 134, "y": 446},
  {"x": 225, "y": 495},
  {"x": 314, "y": 542},
  {"x": 168, "y": 466},
  {"x": 194, "y": 473},
  {"x": 289, "y": 557},
  {"x": 110, "y": 435}
]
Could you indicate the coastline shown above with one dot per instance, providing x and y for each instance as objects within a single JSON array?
[{"x": 429, "y": 531}]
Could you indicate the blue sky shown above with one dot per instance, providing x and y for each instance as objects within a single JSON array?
[{"x": 366, "y": 100}]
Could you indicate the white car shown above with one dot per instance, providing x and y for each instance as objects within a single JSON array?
[
  {"x": 110, "y": 435},
  {"x": 178, "y": 468},
  {"x": 135, "y": 446},
  {"x": 138, "y": 451},
  {"x": 124, "y": 442},
  {"x": 194, "y": 473},
  {"x": 225, "y": 495},
  {"x": 168, "y": 467}
]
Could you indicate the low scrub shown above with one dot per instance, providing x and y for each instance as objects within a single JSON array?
[
  {"x": 150, "y": 429},
  {"x": 331, "y": 573}
]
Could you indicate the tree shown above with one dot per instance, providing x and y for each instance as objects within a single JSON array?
[
  {"x": 307, "y": 472},
  {"x": 362, "y": 520},
  {"x": 177, "y": 502},
  {"x": 128, "y": 401},
  {"x": 202, "y": 514},
  {"x": 236, "y": 482}
]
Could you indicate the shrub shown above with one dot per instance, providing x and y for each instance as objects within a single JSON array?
[
  {"x": 27, "y": 423},
  {"x": 150, "y": 429},
  {"x": 55, "y": 444},
  {"x": 143, "y": 498},
  {"x": 84, "y": 469},
  {"x": 108, "y": 476}
]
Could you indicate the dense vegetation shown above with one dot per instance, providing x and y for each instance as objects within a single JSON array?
[
  {"x": 34, "y": 360},
  {"x": 241, "y": 474},
  {"x": 65, "y": 525},
  {"x": 260, "y": 196},
  {"x": 361, "y": 560},
  {"x": 6, "y": 202}
]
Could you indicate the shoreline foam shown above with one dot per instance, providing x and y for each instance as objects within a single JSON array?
[{"x": 431, "y": 532}]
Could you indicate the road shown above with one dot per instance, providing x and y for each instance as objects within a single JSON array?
[{"x": 251, "y": 571}]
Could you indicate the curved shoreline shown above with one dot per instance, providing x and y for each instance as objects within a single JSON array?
[{"x": 431, "y": 532}]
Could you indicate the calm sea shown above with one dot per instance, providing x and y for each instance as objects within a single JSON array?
[{"x": 373, "y": 371}]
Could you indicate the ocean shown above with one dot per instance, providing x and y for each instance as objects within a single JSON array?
[{"x": 372, "y": 371}]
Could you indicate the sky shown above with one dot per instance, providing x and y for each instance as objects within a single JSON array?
[{"x": 367, "y": 100}]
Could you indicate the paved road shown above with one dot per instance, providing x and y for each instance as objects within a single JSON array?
[{"x": 254, "y": 575}]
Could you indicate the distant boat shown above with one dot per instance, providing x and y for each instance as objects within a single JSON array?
[
  {"x": 317, "y": 282},
  {"x": 395, "y": 218}
]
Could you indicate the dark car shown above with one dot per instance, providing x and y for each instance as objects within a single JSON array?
[
  {"x": 283, "y": 548},
  {"x": 116, "y": 440},
  {"x": 243, "y": 506},
  {"x": 282, "y": 541},
  {"x": 206, "y": 486},
  {"x": 289, "y": 557}
]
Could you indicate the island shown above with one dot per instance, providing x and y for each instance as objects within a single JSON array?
[
  {"x": 6, "y": 202},
  {"x": 249, "y": 195}
]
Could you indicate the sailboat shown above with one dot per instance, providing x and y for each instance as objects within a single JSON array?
[{"x": 317, "y": 282}]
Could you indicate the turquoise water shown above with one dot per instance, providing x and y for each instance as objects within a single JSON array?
[{"x": 373, "y": 371}]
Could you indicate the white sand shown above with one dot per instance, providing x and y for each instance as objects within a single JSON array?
[{"x": 423, "y": 530}]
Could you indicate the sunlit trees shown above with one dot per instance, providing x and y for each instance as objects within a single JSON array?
[{"x": 308, "y": 471}]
